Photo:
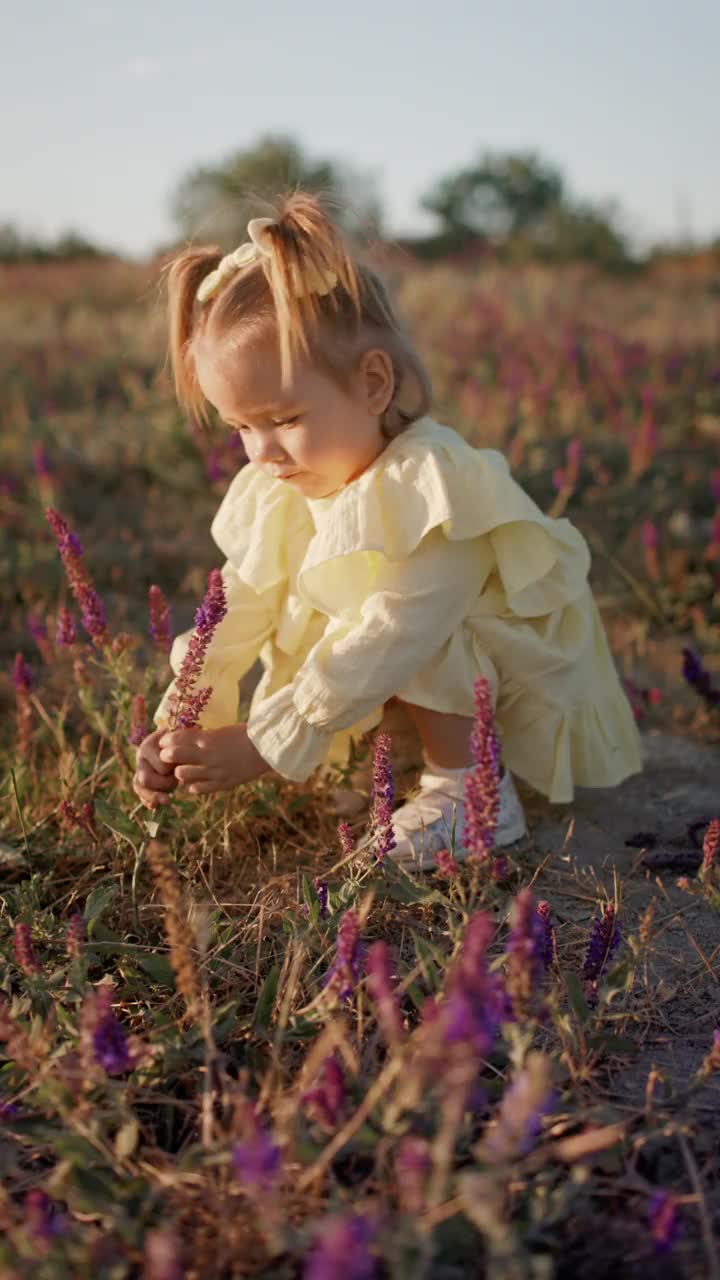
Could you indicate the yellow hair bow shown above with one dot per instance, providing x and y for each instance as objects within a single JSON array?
[{"x": 253, "y": 249}]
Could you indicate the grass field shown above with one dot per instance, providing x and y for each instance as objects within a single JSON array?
[{"x": 183, "y": 1091}]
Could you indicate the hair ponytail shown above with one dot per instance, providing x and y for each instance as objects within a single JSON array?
[
  {"x": 275, "y": 297},
  {"x": 184, "y": 275},
  {"x": 306, "y": 249}
]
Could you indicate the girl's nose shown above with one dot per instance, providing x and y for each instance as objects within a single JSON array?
[{"x": 269, "y": 450}]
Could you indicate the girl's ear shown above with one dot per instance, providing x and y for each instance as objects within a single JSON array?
[{"x": 377, "y": 379}]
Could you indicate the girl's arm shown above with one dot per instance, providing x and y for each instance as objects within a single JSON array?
[
  {"x": 358, "y": 664},
  {"x": 250, "y": 620}
]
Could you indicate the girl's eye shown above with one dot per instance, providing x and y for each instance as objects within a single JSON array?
[{"x": 287, "y": 422}]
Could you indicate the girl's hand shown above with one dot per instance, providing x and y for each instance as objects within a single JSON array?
[
  {"x": 208, "y": 760},
  {"x": 153, "y": 779}
]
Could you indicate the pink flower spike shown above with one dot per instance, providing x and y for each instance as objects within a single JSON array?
[{"x": 188, "y": 703}]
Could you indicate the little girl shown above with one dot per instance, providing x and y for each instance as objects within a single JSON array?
[{"x": 371, "y": 553}]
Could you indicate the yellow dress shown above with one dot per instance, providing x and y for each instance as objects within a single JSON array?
[{"x": 431, "y": 568}]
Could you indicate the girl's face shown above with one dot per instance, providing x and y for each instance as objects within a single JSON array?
[{"x": 311, "y": 434}]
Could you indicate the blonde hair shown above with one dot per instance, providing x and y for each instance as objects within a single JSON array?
[{"x": 330, "y": 331}]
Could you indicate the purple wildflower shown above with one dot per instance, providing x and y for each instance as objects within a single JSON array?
[
  {"x": 715, "y": 484},
  {"x": 522, "y": 1107},
  {"x": 548, "y": 933},
  {"x": 346, "y": 838},
  {"x": 66, "y": 633},
  {"x": 323, "y": 893},
  {"x": 413, "y": 1163},
  {"x": 711, "y": 843},
  {"x": 256, "y": 1159},
  {"x": 325, "y": 1101},
  {"x": 381, "y": 987},
  {"x": 699, "y": 678},
  {"x": 24, "y": 950},
  {"x": 476, "y": 1001},
  {"x": 44, "y": 1221},
  {"x": 525, "y": 951},
  {"x": 344, "y": 973},
  {"x": 41, "y": 462},
  {"x": 138, "y": 720},
  {"x": 188, "y": 703},
  {"x": 500, "y": 869},
  {"x": 109, "y": 1041},
  {"x": 214, "y": 466},
  {"x": 664, "y": 1222},
  {"x": 383, "y": 789},
  {"x": 481, "y": 784},
  {"x": 650, "y": 536},
  {"x": 75, "y": 936},
  {"x": 711, "y": 1062},
  {"x": 341, "y": 1251},
  {"x": 603, "y": 943},
  {"x": 160, "y": 620},
  {"x": 22, "y": 675},
  {"x": 163, "y": 1256},
  {"x": 37, "y": 627},
  {"x": 92, "y": 611},
  {"x": 446, "y": 865}
]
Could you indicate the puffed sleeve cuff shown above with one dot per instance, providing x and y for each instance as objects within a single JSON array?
[{"x": 285, "y": 739}]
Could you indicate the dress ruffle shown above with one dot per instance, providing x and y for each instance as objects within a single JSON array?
[{"x": 429, "y": 477}]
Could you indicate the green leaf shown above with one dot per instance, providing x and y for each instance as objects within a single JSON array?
[
  {"x": 159, "y": 968},
  {"x": 90, "y": 1191},
  {"x": 98, "y": 901},
  {"x": 117, "y": 821},
  {"x": 266, "y": 999},
  {"x": 576, "y": 997},
  {"x": 609, "y": 1043}
]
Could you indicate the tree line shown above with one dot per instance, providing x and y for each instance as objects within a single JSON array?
[{"x": 515, "y": 205}]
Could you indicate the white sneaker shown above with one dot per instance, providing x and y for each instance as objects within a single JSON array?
[{"x": 424, "y": 825}]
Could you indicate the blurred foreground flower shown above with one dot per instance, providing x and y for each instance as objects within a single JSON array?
[
  {"x": 342, "y": 1250},
  {"x": 162, "y": 1255},
  {"x": 256, "y": 1158},
  {"x": 413, "y": 1165},
  {"x": 326, "y": 1099},
  {"x": 186, "y": 703},
  {"x": 344, "y": 973},
  {"x": 519, "y": 1117},
  {"x": 699, "y": 678},
  {"x": 45, "y": 1222},
  {"x": 382, "y": 989},
  {"x": 663, "y": 1219},
  {"x": 481, "y": 784}
]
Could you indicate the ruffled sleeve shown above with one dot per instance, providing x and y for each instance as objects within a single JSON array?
[
  {"x": 366, "y": 655},
  {"x": 256, "y": 526}
]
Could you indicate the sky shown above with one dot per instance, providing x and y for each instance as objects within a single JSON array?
[{"x": 104, "y": 107}]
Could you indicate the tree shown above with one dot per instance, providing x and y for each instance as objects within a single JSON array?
[
  {"x": 583, "y": 231},
  {"x": 500, "y": 196},
  {"x": 215, "y": 202}
]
